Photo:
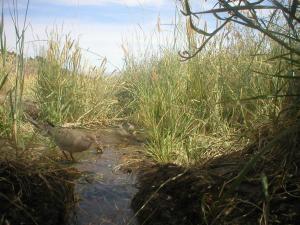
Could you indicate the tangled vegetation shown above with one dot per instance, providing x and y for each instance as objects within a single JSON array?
[
  {"x": 260, "y": 183},
  {"x": 221, "y": 119}
]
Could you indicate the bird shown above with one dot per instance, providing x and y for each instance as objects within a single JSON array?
[{"x": 70, "y": 140}]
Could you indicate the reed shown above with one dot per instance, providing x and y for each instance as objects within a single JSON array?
[
  {"x": 191, "y": 110},
  {"x": 12, "y": 81},
  {"x": 68, "y": 91}
]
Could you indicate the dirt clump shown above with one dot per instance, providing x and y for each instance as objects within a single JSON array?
[
  {"x": 35, "y": 194},
  {"x": 258, "y": 185}
]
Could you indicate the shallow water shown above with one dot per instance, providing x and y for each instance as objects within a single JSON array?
[{"x": 104, "y": 191}]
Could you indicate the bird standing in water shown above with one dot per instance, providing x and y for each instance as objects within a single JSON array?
[
  {"x": 70, "y": 140},
  {"x": 73, "y": 140}
]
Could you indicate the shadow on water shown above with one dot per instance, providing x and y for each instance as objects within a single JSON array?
[{"x": 104, "y": 190}]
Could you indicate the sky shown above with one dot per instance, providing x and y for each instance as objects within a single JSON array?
[
  {"x": 104, "y": 28},
  {"x": 101, "y": 26}
]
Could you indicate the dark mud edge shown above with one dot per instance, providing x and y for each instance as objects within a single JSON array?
[
  {"x": 268, "y": 194},
  {"x": 33, "y": 193}
]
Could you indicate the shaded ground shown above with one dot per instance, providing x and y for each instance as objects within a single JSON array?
[
  {"x": 100, "y": 185},
  {"x": 268, "y": 194},
  {"x": 33, "y": 194},
  {"x": 166, "y": 194}
]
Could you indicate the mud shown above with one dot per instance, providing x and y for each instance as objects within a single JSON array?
[
  {"x": 34, "y": 194},
  {"x": 174, "y": 195},
  {"x": 100, "y": 191}
]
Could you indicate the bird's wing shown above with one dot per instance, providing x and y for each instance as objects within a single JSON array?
[
  {"x": 63, "y": 138},
  {"x": 72, "y": 140}
]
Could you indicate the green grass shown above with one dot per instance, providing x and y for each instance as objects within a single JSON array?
[
  {"x": 194, "y": 109},
  {"x": 12, "y": 81},
  {"x": 67, "y": 91},
  {"x": 191, "y": 110}
]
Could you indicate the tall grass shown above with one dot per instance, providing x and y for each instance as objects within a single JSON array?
[
  {"x": 192, "y": 109},
  {"x": 4, "y": 124},
  {"x": 67, "y": 91},
  {"x": 11, "y": 117}
]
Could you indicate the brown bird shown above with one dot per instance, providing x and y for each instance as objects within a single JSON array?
[
  {"x": 70, "y": 140},
  {"x": 73, "y": 140}
]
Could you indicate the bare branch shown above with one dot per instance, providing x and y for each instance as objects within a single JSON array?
[{"x": 245, "y": 14}]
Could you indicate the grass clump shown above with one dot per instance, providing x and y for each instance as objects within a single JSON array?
[
  {"x": 64, "y": 89},
  {"x": 12, "y": 79},
  {"x": 207, "y": 194},
  {"x": 158, "y": 91},
  {"x": 191, "y": 110},
  {"x": 253, "y": 86}
]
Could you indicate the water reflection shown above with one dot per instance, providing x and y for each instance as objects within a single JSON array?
[{"x": 103, "y": 190}]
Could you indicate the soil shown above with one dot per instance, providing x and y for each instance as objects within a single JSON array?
[
  {"x": 207, "y": 194},
  {"x": 33, "y": 194},
  {"x": 104, "y": 187},
  {"x": 96, "y": 189}
]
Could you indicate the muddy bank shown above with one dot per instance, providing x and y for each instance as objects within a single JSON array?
[
  {"x": 269, "y": 194},
  {"x": 96, "y": 189},
  {"x": 35, "y": 194},
  {"x": 104, "y": 189}
]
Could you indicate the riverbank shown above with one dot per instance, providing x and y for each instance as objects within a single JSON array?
[
  {"x": 34, "y": 193},
  {"x": 96, "y": 189},
  {"x": 257, "y": 185}
]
